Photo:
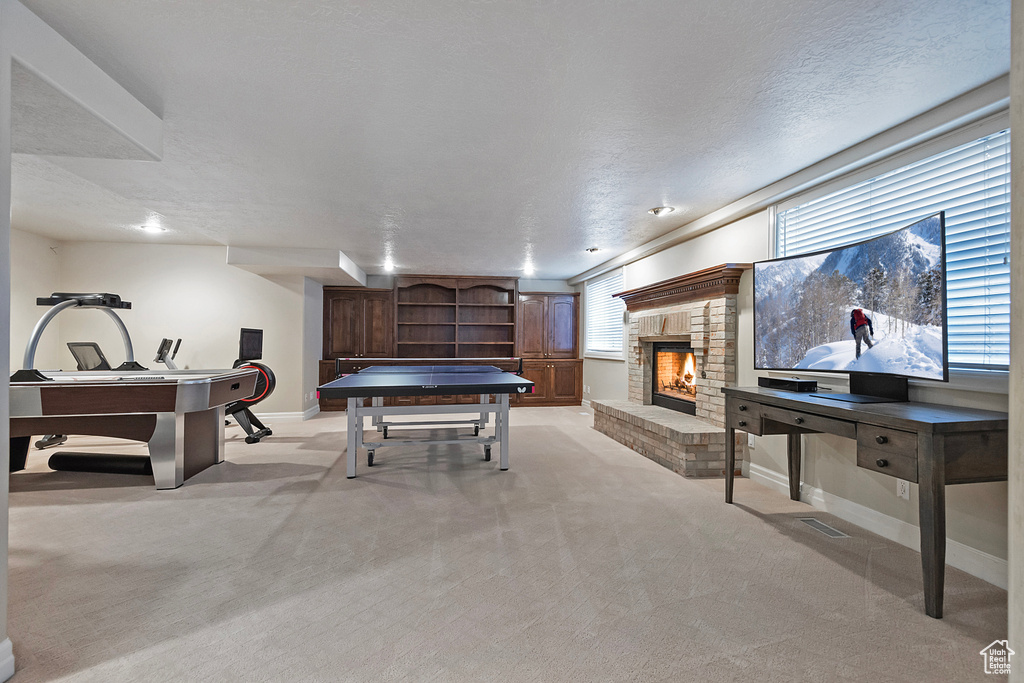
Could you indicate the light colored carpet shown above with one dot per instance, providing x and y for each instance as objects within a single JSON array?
[{"x": 583, "y": 562}]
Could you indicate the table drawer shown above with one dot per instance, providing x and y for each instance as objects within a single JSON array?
[
  {"x": 744, "y": 415},
  {"x": 811, "y": 422},
  {"x": 888, "y": 451}
]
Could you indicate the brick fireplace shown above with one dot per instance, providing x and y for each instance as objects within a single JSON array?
[{"x": 696, "y": 312}]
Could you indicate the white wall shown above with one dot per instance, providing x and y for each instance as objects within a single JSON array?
[
  {"x": 6, "y": 647},
  {"x": 35, "y": 272},
  {"x": 191, "y": 293},
  {"x": 527, "y": 285},
  {"x": 744, "y": 241},
  {"x": 1016, "y": 512},
  {"x": 312, "y": 341}
]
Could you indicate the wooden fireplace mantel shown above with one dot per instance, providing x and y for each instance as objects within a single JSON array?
[{"x": 701, "y": 284}]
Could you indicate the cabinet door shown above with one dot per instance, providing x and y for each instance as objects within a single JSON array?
[
  {"x": 377, "y": 309},
  {"x": 532, "y": 325},
  {"x": 343, "y": 324},
  {"x": 566, "y": 382},
  {"x": 538, "y": 372},
  {"x": 562, "y": 326}
]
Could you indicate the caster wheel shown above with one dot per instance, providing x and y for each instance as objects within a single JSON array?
[
  {"x": 270, "y": 433},
  {"x": 476, "y": 430},
  {"x": 252, "y": 439},
  {"x": 487, "y": 453},
  {"x": 385, "y": 432},
  {"x": 369, "y": 458}
]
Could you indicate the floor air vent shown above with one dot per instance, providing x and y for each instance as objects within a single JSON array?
[{"x": 823, "y": 528}]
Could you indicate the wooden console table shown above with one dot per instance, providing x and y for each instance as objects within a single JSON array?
[{"x": 932, "y": 445}]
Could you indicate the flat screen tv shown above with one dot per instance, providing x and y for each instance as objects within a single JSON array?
[{"x": 876, "y": 307}]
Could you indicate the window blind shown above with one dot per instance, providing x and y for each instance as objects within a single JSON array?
[
  {"x": 971, "y": 183},
  {"x": 604, "y": 315}
]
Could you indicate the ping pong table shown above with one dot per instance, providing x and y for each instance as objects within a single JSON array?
[{"x": 377, "y": 382}]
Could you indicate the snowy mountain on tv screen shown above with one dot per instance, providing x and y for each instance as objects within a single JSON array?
[{"x": 802, "y": 306}]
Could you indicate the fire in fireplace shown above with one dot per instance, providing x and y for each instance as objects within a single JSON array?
[{"x": 674, "y": 377}]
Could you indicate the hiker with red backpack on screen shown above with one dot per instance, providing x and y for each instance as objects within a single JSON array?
[{"x": 860, "y": 326}]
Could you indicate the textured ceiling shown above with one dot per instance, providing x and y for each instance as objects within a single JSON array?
[{"x": 471, "y": 137}]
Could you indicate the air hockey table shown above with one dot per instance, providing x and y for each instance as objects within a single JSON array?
[{"x": 179, "y": 414}]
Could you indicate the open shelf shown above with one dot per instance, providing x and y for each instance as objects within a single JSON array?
[{"x": 460, "y": 317}]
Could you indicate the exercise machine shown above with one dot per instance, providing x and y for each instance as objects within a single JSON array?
[
  {"x": 250, "y": 349},
  {"x": 165, "y": 355},
  {"x": 61, "y": 301}
]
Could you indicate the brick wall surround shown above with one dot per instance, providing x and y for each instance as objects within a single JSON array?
[{"x": 700, "y": 308}]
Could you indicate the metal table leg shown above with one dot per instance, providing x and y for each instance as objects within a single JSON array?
[
  {"x": 501, "y": 424},
  {"x": 354, "y": 419}
]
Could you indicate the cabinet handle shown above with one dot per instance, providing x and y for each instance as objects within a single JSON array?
[
  {"x": 882, "y": 462},
  {"x": 742, "y": 408},
  {"x": 799, "y": 420},
  {"x": 881, "y": 440},
  {"x": 742, "y": 423}
]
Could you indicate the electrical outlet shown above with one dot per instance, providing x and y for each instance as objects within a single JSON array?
[
  {"x": 750, "y": 440},
  {"x": 903, "y": 489},
  {"x": 586, "y": 388}
]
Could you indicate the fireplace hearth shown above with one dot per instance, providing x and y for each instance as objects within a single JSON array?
[{"x": 674, "y": 377}]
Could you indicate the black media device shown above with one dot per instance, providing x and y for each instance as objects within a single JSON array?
[
  {"x": 250, "y": 344},
  {"x": 805, "y": 385}
]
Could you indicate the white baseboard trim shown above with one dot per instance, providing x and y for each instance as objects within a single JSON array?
[
  {"x": 975, "y": 562},
  {"x": 282, "y": 417},
  {"x": 6, "y": 659},
  {"x": 311, "y": 412}
]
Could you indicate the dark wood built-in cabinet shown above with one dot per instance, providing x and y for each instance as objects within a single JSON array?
[
  {"x": 549, "y": 330},
  {"x": 465, "y": 317},
  {"x": 549, "y": 325},
  {"x": 358, "y": 323},
  {"x": 456, "y": 318},
  {"x": 557, "y": 383}
]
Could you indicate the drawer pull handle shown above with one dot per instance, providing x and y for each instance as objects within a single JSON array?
[
  {"x": 742, "y": 423},
  {"x": 799, "y": 420},
  {"x": 881, "y": 440},
  {"x": 742, "y": 408},
  {"x": 235, "y": 385},
  {"x": 882, "y": 462}
]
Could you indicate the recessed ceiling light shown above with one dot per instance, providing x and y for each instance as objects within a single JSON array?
[
  {"x": 152, "y": 228},
  {"x": 389, "y": 265},
  {"x": 528, "y": 268},
  {"x": 661, "y": 210}
]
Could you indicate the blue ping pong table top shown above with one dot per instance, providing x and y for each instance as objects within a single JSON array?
[
  {"x": 427, "y": 369},
  {"x": 425, "y": 380}
]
